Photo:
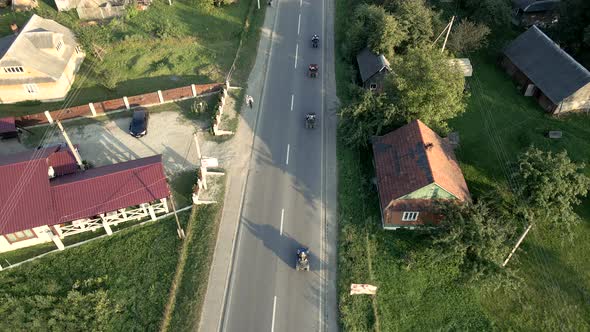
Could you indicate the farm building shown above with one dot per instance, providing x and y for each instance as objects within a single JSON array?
[
  {"x": 373, "y": 68},
  {"x": 526, "y": 13},
  {"x": 45, "y": 197},
  {"x": 415, "y": 169},
  {"x": 546, "y": 72}
]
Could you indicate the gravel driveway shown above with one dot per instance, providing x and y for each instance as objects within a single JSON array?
[{"x": 169, "y": 133}]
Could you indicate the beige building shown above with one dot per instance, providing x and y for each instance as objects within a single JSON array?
[{"x": 39, "y": 62}]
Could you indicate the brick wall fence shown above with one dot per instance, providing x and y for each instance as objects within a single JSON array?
[{"x": 101, "y": 107}]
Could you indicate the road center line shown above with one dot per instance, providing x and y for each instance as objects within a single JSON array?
[
  {"x": 292, "y": 97},
  {"x": 274, "y": 309},
  {"x": 300, "y": 3},
  {"x": 299, "y": 24},
  {"x": 288, "y": 147},
  {"x": 296, "y": 52},
  {"x": 282, "y": 218}
]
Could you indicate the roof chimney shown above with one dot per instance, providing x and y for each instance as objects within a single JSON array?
[{"x": 14, "y": 28}]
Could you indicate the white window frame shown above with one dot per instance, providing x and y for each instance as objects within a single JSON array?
[
  {"x": 373, "y": 86},
  {"x": 59, "y": 45},
  {"x": 14, "y": 70},
  {"x": 410, "y": 216},
  {"x": 23, "y": 235},
  {"x": 31, "y": 88}
]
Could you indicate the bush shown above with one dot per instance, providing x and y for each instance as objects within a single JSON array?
[
  {"x": 28, "y": 103},
  {"x": 468, "y": 37},
  {"x": 110, "y": 77}
]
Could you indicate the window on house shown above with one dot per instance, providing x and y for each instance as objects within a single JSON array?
[
  {"x": 20, "y": 236},
  {"x": 13, "y": 70},
  {"x": 410, "y": 216},
  {"x": 78, "y": 49},
  {"x": 59, "y": 45},
  {"x": 373, "y": 86},
  {"x": 31, "y": 88}
]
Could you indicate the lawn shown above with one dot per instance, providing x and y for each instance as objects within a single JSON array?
[
  {"x": 160, "y": 48},
  {"x": 413, "y": 296},
  {"x": 116, "y": 283},
  {"x": 201, "y": 237}
]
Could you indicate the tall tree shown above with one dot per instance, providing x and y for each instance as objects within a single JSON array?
[
  {"x": 372, "y": 26},
  {"x": 493, "y": 13},
  {"x": 416, "y": 19},
  {"x": 573, "y": 29},
  {"x": 550, "y": 185},
  {"x": 474, "y": 236},
  {"x": 366, "y": 116},
  {"x": 426, "y": 87},
  {"x": 467, "y": 37}
]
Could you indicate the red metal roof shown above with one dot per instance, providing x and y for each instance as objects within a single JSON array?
[
  {"x": 63, "y": 161},
  {"x": 25, "y": 195},
  {"x": 413, "y": 157},
  {"x": 7, "y": 125},
  {"x": 108, "y": 188},
  {"x": 29, "y": 199}
]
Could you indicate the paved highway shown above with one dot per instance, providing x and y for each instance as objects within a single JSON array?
[{"x": 285, "y": 194}]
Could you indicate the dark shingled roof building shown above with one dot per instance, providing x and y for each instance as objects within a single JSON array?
[
  {"x": 373, "y": 68},
  {"x": 546, "y": 72},
  {"x": 415, "y": 168}
]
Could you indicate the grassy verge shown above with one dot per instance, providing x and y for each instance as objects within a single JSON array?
[
  {"x": 201, "y": 237},
  {"x": 117, "y": 283},
  {"x": 160, "y": 48}
]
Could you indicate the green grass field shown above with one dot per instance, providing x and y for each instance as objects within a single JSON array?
[
  {"x": 412, "y": 296},
  {"x": 160, "y": 48},
  {"x": 117, "y": 283}
]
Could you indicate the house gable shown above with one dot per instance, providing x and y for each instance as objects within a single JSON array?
[{"x": 431, "y": 191}]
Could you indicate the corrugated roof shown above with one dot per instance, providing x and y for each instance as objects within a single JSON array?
[
  {"x": 413, "y": 157},
  {"x": 370, "y": 63},
  {"x": 108, "y": 188},
  {"x": 549, "y": 67},
  {"x": 63, "y": 161},
  {"x": 29, "y": 199},
  {"x": 26, "y": 49},
  {"x": 7, "y": 125},
  {"x": 25, "y": 195}
]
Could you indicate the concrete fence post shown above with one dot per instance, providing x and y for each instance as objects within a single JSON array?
[
  {"x": 92, "y": 109},
  {"x": 126, "y": 101},
  {"x": 48, "y": 116},
  {"x": 194, "y": 90},
  {"x": 227, "y": 84},
  {"x": 160, "y": 96},
  {"x": 220, "y": 109}
]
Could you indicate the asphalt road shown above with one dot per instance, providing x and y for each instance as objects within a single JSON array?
[{"x": 285, "y": 194}]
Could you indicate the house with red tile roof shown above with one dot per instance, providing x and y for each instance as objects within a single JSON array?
[
  {"x": 44, "y": 196},
  {"x": 415, "y": 168}
]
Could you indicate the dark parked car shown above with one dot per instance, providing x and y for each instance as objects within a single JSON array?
[{"x": 139, "y": 123}]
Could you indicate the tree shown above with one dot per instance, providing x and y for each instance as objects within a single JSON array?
[
  {"x": 474, "y": 236},
  {"x": 573, "y": 29},
  {"x": 365, "y": 117},
  {"x": 373, "y": 27},
  {"x": 415, "y": 19},
  {"x": 426, "y": 87},
  {"x": 493, "y": 13},
  {"x": 549, "y": 186},
  {"x": 467, "y": 37}
]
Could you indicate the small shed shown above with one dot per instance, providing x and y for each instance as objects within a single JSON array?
[
  {"x": 526, "y": 13},
  {"x": 8, "y": 128},
  {"x": 373, "y": 68},
  {"x": 464, "y": 65},
  {"x": 24, "y": 5}
]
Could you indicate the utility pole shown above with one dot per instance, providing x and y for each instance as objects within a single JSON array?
[
  {"x": 179, "y": 229},
  {"x": 198, "y": 147},
  {"x": 517, "y": 244},
  {"x": 70, "y": 145},
  {"x": 448, "y": 32}
]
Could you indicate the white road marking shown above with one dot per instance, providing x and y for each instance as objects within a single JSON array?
[
  {"x": 288, "y": 147},
  {"x": 282, "y": 218},
  {"x": 292, "y": 97},
  {"x": 296, "y": 52},
  {"x": 299, "y": 24},
  {"x": 274, "y": 309},
  {"x": 300, "y": 3}
]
